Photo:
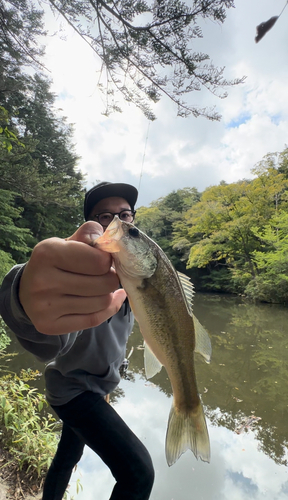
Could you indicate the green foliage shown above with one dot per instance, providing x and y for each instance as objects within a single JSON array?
[
  {"x": 79, "y": 488},
  {"x": 220, "y": 230},
  {"x": 282, "y": 159},
  {"x": 158, "y": 221},
  {"x": 233, "y": 237},
  {"x": 41, "y": 189},
  {"x": 222, "y": 238},
  {"x": 218, "y": 280},
  {"x": 4, "y": 342},
  {"x": 271, "y": 285},
  {"x": 6, "y": 263},
  {"x": 14, "y": 240},
  {"x": 7, "y": 137},
  {"x": 29, "y": 436},
  {"x": 43, "y": 174},
  {"x": 27, "y": 431},
  {"x": 4, "y": 339}
]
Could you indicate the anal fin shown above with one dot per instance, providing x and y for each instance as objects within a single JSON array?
[{"x": 151, "y": 363}]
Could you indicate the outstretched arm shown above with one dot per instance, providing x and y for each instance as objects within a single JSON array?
[{"x": 67, "y": 285}]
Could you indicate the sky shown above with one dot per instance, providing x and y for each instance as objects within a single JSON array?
[
  {"x": 171, "y": 153},
  {"x": 238, "y": 470}
]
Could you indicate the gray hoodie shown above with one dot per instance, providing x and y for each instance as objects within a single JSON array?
[{"x": 86, "y": 360}]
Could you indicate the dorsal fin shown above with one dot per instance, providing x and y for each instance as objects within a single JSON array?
[
  {"x": 188, "y": 290},
  {"x": 202, "y": 340}
]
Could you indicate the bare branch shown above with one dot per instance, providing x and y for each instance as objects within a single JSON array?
[{"x": 146, "y": 59}]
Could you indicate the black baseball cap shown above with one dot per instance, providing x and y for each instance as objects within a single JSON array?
[{"x": 107, "y": 189}]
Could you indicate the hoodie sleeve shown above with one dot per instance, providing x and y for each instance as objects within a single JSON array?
[{"x": 44, "y": 347}]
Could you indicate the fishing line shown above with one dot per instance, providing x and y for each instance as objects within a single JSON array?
[
  {"x": 144, "y": 153},
  {"x": 283, "y": 9}
]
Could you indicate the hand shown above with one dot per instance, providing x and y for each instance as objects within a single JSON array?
[{"x": 68, "y": 285}]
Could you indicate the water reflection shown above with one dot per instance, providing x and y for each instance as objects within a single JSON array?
[
  {"x": 249, "y": 368},
  {"x": 248, "y": 376},
  {"x": 238, "y": 469}
]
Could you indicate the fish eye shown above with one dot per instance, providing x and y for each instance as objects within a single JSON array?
[{"x": 133, "y": 231}]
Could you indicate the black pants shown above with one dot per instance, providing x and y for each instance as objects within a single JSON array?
[{"x": 88, "y": 419}]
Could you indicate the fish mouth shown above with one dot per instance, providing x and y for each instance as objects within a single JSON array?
[{"x": 109, "y": 241}]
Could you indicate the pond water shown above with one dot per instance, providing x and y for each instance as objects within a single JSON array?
[{"x": 244, "y": 389}]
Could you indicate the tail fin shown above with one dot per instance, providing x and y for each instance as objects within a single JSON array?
[{"x": 187, "y": 431}]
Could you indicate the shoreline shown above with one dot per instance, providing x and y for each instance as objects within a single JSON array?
[{"x": 15, "y": 484}]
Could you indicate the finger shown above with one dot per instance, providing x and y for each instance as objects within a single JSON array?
[
  {"x": 87, "y": 233},
  {"x": 71, "y": 284},
  {"x": 75, "y": 322},
  {"x": 73, "y": 256},
  {"x": 72, "y": 304},
  {"x": 85, "y": 305}
]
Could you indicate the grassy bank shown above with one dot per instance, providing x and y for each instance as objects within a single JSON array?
[{"x": 28, "y": 433}]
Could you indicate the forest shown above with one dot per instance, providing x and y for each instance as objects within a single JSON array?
[{"x": 231, "y": 238}]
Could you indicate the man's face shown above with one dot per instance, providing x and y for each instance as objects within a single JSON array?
[{"x": 104, "y": 208}]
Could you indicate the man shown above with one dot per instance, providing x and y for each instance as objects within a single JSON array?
[{"x": 66, "y": 307}]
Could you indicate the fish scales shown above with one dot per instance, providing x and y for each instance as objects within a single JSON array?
[
  {"x": 167, "y": 313},
  {"x": 167, "y": 324}
]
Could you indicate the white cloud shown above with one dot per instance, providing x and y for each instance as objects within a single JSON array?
[
  {"x": 182, "y": 152},
  {"x": 238, "y": 469}
]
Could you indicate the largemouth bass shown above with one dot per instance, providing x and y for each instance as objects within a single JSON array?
[{"x": 160, "y": 299}]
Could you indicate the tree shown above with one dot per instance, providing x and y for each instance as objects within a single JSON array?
[
  {"x": 15, "y": 242},
  {"x": 40, "y": 169},
  {"x": 271, "y": 283},
  {"x": 20, "y": 27},
  {"x": 220, "y": 227},
  {"x": 280, "y": 161},
  {"x": 158, "y": 220},
  {"x": 37, "y": 157},
  {"x": 42, "y": 173},
  {"x": 7, "y": 137},
  {"x": 21, "y": 24},
  {"x": 147, "y": 48}
]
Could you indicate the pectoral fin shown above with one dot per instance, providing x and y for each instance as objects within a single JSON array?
[{"x": 151, "y": 363}]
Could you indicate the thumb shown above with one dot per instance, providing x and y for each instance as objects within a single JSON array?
[{"x": 87, "y": 233}]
